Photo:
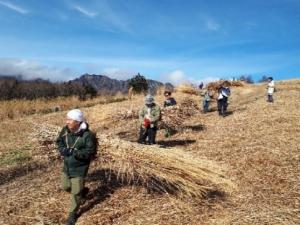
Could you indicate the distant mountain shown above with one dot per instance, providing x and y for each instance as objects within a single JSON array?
[
  {"x": 104, "y": 84},
  {"x": 14, "y": 87}
]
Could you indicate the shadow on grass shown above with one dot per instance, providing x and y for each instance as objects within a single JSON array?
[
  {"x": 108, "y": 182},
  {"x": 173, "y": 143},
  {"x": 229, "y": 113},
  {"x": 19, "y": 171},
  {"x": 197, "y": 127},
  {"x": 128, "y": 136}
]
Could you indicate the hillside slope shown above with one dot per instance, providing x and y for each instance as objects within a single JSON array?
[{"x": 258, "y": 143}]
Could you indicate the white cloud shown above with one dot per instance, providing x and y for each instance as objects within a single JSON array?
[
  {"x": 117, "y": 73},
  {"x": 85, "y": 11},
  {"x": 212, "y": 25},
  {"x": 32, "y": 69},
  {"x": 108, "y": 18},
  {"x": 109, "y": 70},
  {"x": 178, "y": 77},
  {"x": 114, "y": 19},
  {"x": 14, "y": 7}
]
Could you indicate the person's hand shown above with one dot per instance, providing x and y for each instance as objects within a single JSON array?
[
  {"x": 146, "y": 123},
  {"x": 66, "y": 151}
]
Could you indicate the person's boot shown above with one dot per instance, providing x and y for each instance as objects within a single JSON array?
[{"x": 71, "y": 219}]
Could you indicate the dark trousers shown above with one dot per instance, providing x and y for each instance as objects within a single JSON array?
[
  {"x": 270, "y": 98},
  {"x": 222, "y": 106},
  {"x": 147, "y": 132},
  {"x": 205, "y": 106}
]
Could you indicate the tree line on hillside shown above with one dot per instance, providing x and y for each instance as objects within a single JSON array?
[
  {"x": 14, "y": 88},
  {"x": 17, "y": 88},
  {"x": 248, "y": 79}
]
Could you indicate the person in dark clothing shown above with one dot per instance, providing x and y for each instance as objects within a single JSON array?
[
  {"x": 149, "y": 115},
  {"x": 77, "y": 145},
  {"x": 224, "y": 93},
  {"x": 201, "y": 86},
  {"x": 170, "y": 101}
]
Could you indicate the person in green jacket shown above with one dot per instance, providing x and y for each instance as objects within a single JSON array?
[
  {"x": 77, "y": 145},
  {"x": 149, "y": 115}
]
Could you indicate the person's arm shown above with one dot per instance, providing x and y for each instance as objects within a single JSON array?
[
  {"x": 89, "y": 149},
  {"x": 174, "y": 101},
  {"x": 156, "y": 115},
  {"x": 141, "y": 115},
  {"x": 60, "y": 141},
  {"x": 62, "y": 145}
]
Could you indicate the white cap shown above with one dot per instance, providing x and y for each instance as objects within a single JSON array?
[{"x": 75, "y": 114}]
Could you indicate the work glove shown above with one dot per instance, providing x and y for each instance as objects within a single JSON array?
[
  {"x": 66, "y": 151},
  {"x": 146, "y": 123}
]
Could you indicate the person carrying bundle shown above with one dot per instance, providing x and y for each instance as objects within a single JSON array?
[
  {"x": 149, "y": 115},
  {"x": 224, "y": 93}
]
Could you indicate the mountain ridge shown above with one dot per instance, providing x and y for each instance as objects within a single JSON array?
[{"x": 105, "y": 84}]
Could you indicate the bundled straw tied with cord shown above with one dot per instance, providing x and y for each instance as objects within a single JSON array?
[
  {"x": 173, "y": 117},
  {"x": 174, "y": 172}
]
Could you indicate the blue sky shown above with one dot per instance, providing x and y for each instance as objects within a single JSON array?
[{"x": 166, "y": 40}]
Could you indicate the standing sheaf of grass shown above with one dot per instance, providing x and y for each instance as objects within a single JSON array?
[{"x": 18, "y": 108}]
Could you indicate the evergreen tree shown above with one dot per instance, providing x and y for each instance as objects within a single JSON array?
[{"x": 138, "y": 83}]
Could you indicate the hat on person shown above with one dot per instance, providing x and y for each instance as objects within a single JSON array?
[
  {"x": 149, "y": 99},
  {"x": 75, "y": 114},
  {"x": 167, "y": 93}
]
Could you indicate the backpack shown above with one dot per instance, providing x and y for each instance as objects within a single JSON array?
[{"x": 94, "y": 156}]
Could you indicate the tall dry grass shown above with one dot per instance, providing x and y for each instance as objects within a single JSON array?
[
  {"x": 19, "y": 107},
  {"x": 187, "y": 89}
]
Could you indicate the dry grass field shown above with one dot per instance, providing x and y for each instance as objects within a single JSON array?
[
  {"x": 241, "y": 169},
  {"x": 19, "y": 108}
]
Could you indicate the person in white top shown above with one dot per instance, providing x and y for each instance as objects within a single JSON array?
[
  {"x": 224, "y": 93},
  {"x": 270, "y": 89}
]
